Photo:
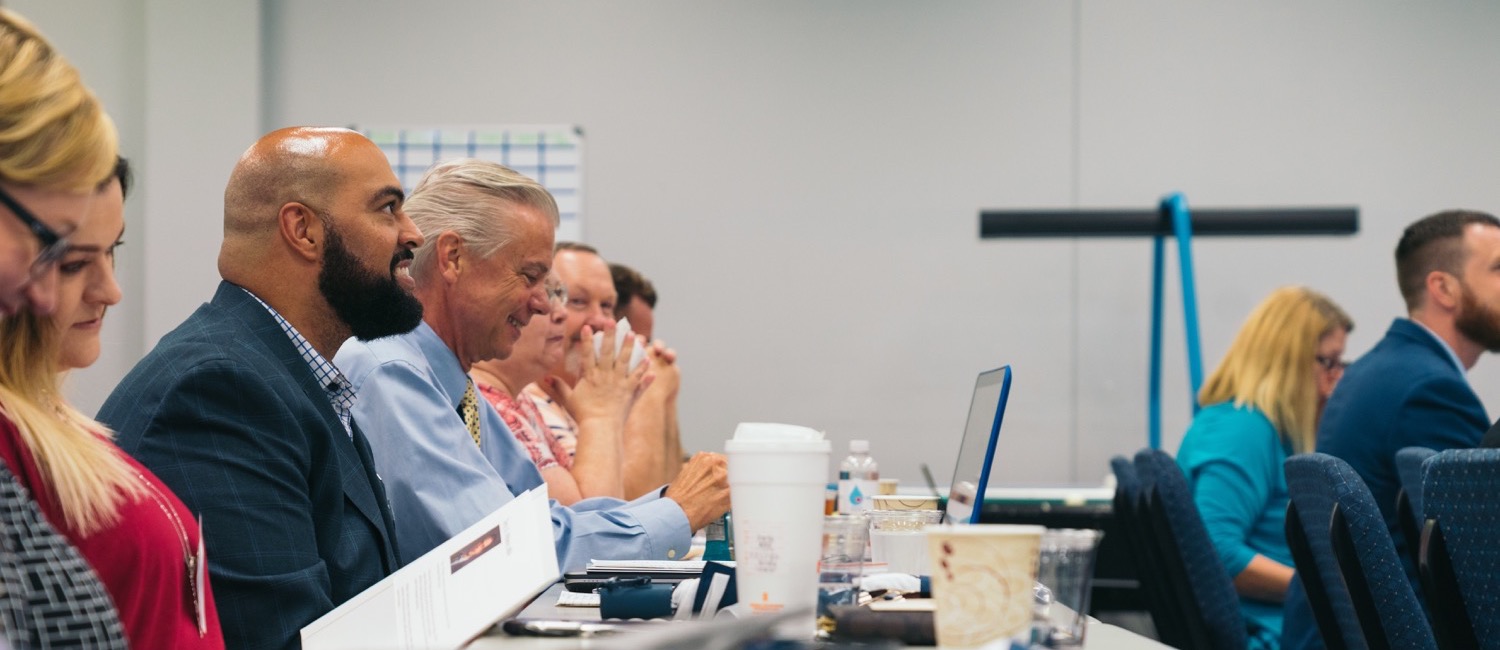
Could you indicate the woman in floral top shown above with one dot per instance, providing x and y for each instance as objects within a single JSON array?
[{"x": 598, "y": 405}]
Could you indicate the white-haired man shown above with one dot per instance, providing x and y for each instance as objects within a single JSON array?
[{"x": 446, "y": 456}]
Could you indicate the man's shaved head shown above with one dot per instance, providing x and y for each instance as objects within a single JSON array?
[{"x": 289, "y": 165}]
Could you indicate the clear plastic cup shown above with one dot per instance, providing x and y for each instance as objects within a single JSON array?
[
  {"x": 844, "y": 540},
  {"x": 1066, "y": 569},
  {"x": 899, "y": 539}
]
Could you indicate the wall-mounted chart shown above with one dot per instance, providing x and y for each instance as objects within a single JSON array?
[{"x": 551, "y": 154}]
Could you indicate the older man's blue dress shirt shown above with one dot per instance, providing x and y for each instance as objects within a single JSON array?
[{"x": 439, "y": 482}]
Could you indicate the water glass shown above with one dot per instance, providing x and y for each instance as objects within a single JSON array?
[
  {"x": 842, "y": 561},
  {"x": 1066, "y": 569}
]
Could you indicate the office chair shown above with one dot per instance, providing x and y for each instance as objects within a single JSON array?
[
  {"x": 1458, "y": 561},
  {"x": 1311, "y": 511},
  {"x": 1197, "y": 580},
  {"x": 1409, "y": 498},
  {"x": 1384, "y": 604},
  {"x": 1132, "y": 525}
]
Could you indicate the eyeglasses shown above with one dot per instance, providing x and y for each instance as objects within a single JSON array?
[
  {"x": 557, "y": 293},
  {"x": 1331, "y": 364},
  {"x": 54, "y": 246}
]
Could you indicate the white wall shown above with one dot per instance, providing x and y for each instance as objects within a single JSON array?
[
  {"x": 108, "y": 47},
  {"x": 181, "y": 79},
  {"x": 802, "y": 179}
]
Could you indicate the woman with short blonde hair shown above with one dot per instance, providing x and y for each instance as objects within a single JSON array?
[
  {"x": 1259, "y": 406},
  {"x": 1266, "y": 365}
]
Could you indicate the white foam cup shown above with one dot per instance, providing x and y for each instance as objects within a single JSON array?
[{"x": 777, "y": 476}]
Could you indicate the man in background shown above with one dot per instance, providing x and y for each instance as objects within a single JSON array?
[
  {"x": 653, "y": 449},
  {"x": 1411, "y": 389},
  {"x": 635, "y": 299}
]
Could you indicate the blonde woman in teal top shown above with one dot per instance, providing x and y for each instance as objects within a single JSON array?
[{"x": 1260, "y": 405}]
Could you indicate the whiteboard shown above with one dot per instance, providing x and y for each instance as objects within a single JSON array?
[{"x": 550, "y": 154}]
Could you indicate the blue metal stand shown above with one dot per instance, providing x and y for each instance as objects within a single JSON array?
[
  {"x": 1173, "y": 208},
  {"x": 1170, "y": 219}
]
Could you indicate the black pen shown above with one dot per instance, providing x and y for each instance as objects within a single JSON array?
[{"x": 518, "y": 627}]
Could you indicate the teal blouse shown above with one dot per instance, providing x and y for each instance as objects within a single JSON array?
[{"x": 1233, "y": 457}]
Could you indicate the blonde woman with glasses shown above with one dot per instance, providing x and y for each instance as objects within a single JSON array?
[
  {"x": 1260, "y": 405},
  {"x": 601, "y": 401},
  {"x": 56, "y": 147}
]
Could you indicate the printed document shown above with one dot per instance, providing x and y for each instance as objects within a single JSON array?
[{"x": 455, "y": 592}]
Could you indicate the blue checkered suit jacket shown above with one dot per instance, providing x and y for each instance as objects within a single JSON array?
[{"x": 228, "y": 414}]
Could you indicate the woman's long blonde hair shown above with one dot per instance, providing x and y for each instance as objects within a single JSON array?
[
  {"x": 1270, "y": 364},
  {"x": 54, "y": 133},
  {"x": 84, "y": 469}
]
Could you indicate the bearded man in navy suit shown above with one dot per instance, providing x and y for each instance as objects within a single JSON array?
[
  {"x": 1410, "y": 390},
  {"x": 240, "y": 412}
]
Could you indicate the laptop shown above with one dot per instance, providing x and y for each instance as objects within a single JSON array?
[{"x": 971, "y": 473}]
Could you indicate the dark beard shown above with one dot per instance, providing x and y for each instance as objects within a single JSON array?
[
  {"x": 372, "y": 305},
  {"x": 1477, "y": 322}
]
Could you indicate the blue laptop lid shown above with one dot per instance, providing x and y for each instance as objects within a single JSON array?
[{"x": 976, "y": 453}]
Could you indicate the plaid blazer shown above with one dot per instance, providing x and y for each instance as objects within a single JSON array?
[{"x": 225, "y": 411}]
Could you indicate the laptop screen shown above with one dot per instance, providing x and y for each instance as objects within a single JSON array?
[{"x": 977, "y": 451}]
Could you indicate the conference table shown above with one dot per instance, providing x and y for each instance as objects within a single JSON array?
[
  {"x": 1011, "y": 505},
  {"x": 1100, "y": 635}
]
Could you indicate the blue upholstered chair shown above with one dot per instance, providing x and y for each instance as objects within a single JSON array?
[
  {"x": 1460, "y": 558},
  {"x": 1200, "y": 585},
  {"x": 1382, "y": 597},
  {"x": 1409, "y": 498},
  {"x": 1307, "y": 519},
  {"x": 1134, "y": 528}
]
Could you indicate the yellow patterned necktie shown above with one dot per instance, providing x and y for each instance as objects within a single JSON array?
[{"x": 469, "y": 409}]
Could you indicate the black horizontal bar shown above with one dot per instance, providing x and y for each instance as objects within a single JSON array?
[{"x": 1210, "y": 222}]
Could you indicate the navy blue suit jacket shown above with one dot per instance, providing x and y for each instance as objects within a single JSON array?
[
  {"x": 1406, "y": 392},
  {"x": 230, "y": 417}
]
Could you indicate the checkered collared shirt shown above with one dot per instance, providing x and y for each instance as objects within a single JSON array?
[{"x": 340, "y": 391}]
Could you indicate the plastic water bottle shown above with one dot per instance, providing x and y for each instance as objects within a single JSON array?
[
  {"x": 719, "y": 540},
  {"x": 859, "y": 478}
]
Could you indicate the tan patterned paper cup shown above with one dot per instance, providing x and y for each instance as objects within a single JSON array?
[
  {"x": 905, "y": 502},
  {"x": 982, "y": 582}
]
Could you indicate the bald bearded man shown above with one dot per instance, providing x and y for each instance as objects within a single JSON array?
[{"x": 240, "y": 412}]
